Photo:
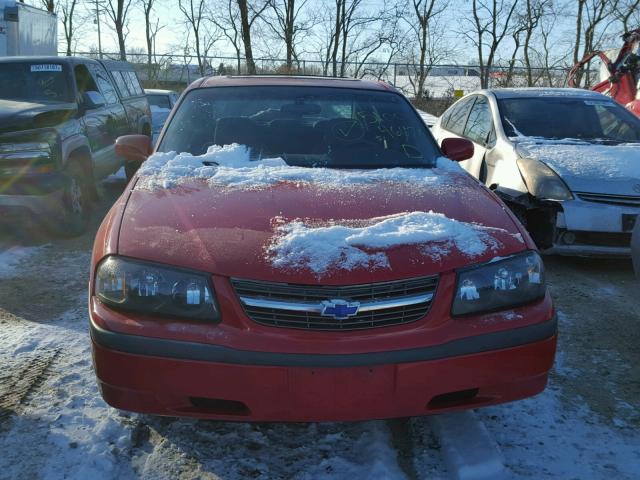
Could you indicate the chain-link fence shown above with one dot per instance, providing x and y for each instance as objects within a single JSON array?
[{"x": 442, "y": 81}]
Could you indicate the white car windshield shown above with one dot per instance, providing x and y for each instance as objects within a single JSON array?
[{"x": 557, "y": 118}]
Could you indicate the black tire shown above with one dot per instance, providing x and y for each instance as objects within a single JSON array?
[{"x": 76, "y": 202}]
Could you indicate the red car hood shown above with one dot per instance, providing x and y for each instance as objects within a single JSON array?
[{"x": 227, "y": 231}]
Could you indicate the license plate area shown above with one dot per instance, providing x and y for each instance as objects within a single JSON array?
[{"x": 628, "y": 221}]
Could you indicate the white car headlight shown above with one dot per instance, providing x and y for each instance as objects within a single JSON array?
[{"x": 542, "y": 181}]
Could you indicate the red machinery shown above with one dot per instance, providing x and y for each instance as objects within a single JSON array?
[{"x": 624, "y": 72}]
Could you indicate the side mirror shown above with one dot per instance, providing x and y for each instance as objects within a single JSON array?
[
  {"x": 134, "y": 148},
  {"x": 92, "y": 99},
  {"x": 457, "y": 149}
]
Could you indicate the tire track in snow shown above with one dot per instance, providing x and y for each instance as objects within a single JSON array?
[{"x": 22, "y": 377}]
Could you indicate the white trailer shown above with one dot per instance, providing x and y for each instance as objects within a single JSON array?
[{"x": 26, "y": 30}]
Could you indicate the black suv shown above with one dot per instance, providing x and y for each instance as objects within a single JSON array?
[{"x": 59, "y": 119}]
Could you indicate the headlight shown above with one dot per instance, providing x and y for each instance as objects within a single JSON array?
[
  {"x": 146, "y": 287},
  {"x": 31, "y": 148},
  {"x": 541, "y": 181},
  {"x": 500, "y": 285}
]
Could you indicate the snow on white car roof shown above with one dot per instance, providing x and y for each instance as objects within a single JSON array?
[{"x": 544, "y": 92}]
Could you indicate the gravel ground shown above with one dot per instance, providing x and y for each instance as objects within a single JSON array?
[{"x": 53, "y": 424}]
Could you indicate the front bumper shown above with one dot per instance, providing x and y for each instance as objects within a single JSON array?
[
  {"x": 178, "y": 378},
  {"x": 38, "y": 205},
  {"x": 585, "y": 228}
]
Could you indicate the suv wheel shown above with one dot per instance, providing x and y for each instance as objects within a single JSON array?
[{"x": 77, "y": 202}]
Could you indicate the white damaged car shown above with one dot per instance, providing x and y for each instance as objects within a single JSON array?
[{"x": 566, "y": 161}]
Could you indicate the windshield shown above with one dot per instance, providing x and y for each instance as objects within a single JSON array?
[
  {"x": 35, "y": 82},
  {"x": 592, "y": 120},
  {"x": 305, "y": 126}
]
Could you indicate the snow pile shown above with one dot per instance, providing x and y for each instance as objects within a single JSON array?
[
  {"x": 231, "y": 166},
  {"x": 582, "y": 159},
  {"x": 320, "y": 248}
]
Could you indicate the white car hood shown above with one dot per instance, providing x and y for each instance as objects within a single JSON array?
[{"x": 607, "y": 169}]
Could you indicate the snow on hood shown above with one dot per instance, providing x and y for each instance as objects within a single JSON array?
[
  {"x": 586, "y": 166},
  {"x": 231, "y": 166},
  {"x": 298, "y": 245}
]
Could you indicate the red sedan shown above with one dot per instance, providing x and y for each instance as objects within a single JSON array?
[{"x": 299, "y": 249}]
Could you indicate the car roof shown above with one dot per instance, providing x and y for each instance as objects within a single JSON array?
[
  {"x": 157, "y": 91},
  {"x": 290, "y": 81},
  {"x": 49, "y": 58},
  {"x": 109, "y": 64},
  {"x": 119, "y": 65},
  {"x": 541, "y": 92}
]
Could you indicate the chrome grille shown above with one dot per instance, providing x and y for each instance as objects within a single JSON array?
[
  {"x": 622, "y": 200},
  {"x": 299, "y": 306}
]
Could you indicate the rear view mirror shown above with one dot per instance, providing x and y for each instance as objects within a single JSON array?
[
  {"x": 92, "y": 99},
  {"x": 134, "y": 148},
  {"x": 457, "y": 149}
]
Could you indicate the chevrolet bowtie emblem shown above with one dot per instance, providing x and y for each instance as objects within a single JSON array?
[{"x": 339, "y": 309}]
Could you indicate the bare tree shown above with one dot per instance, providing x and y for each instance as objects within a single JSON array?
[
  {"x": 229, "y": 24},
  {"x": 547, "y": 57},
  {"x": 592, "y": 20},
  {"x": 491, "y": 22},
  {"x": 534, "y": 12},
  {"x": 151, "y": 29},
  {"x": 420, "y": 19},
  {"x": 196, "y": 15},
  {"x": 248, "y": 15},
  {"x": 351, "y": 23},
  {"x": 288, "y": 20},
  {"x": 118, "y": 13},
  {"x": 628, "y": 12},
  {"x": 49, "y": 5},
  {"x": 67, "y": 16}
]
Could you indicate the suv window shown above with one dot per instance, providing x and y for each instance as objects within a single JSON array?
[
  {"x": 133, "y": 83},
  {"x": 479, "y": 123},
  {"x": 458, "y": 115},
  {"x": 122, "y": 85},
  {"x": 84, "y": 80},
  {"x": 108, "y": 92}
]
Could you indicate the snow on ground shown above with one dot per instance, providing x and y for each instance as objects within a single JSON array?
[
  {"x": 321, "y": 248},
  {"x": 231, "y": 166},
  {"x": 57, "y": 425},
  {"x": 544, "y": 437},
  {"x": 581, "y": 159},
  {"x": 11, "y": 258}
]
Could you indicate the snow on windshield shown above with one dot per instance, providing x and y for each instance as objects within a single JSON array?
[
  {"x": 583, "y": 159},
  {"x": 231, "y": 166},
  {"x": 298, "y": 245}
]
